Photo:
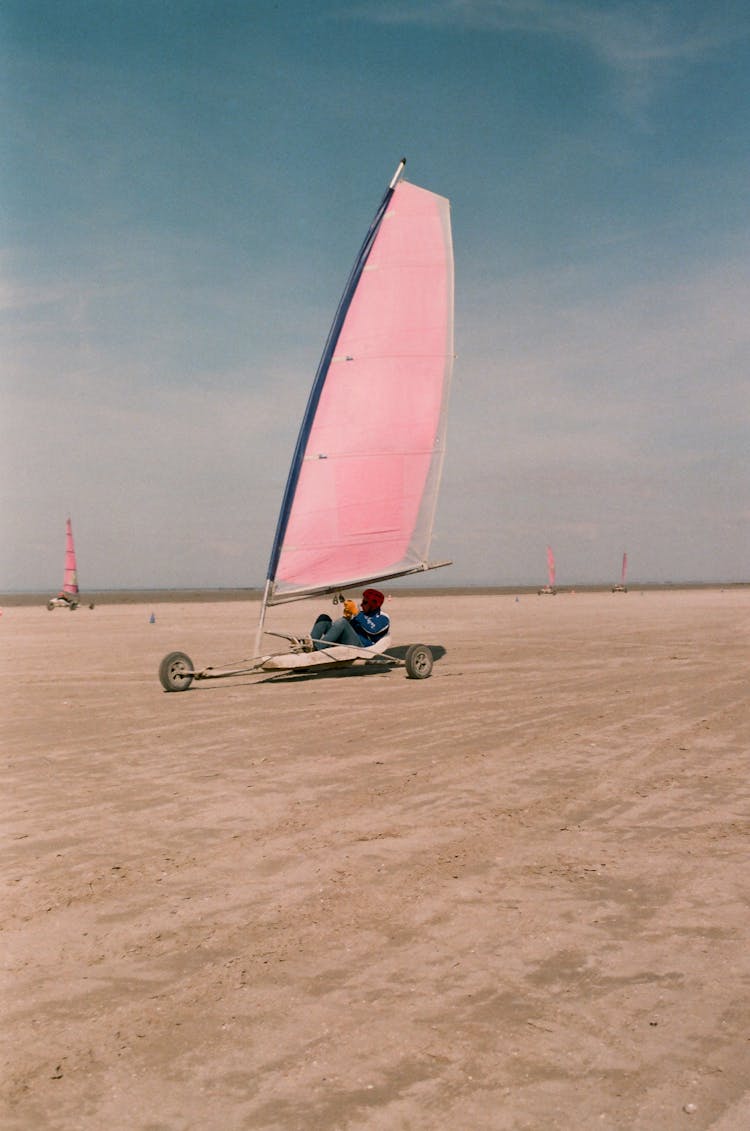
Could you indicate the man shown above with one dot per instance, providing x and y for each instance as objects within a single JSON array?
[{"x": 361, "y": 629}]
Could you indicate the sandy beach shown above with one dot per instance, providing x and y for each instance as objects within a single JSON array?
[{"x": 511, "y": 896}]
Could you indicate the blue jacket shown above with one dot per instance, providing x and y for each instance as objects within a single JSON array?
[{"x": 370, "y": 627}]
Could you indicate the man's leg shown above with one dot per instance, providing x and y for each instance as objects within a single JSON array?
[{"x": 339, "y": 632}]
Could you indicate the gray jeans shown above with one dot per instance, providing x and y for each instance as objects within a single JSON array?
[{"x": 326, "y": 632}]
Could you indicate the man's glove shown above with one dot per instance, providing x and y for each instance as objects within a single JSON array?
[{"x": 350, "y": 609}]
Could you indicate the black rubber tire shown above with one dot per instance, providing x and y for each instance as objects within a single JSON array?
[
  {"x": 418, "y": 661},
  {"x": 50, "y": 606},
  {"x": 176, "y": 672}
]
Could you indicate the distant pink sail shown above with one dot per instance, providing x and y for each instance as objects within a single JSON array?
[
  {"x": 624, "y": 568},
  {"x": 550, "y": 567},
  {"x": 361, "y": 503},
  {"x": 70, "y": 580}
]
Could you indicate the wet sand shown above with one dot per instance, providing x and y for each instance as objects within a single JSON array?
[{"x": 512, "y": 896}]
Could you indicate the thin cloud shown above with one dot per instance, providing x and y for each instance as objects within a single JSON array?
[
  {"x": 617, "y": 32},
  {"x": 638, "y": 42},
  {"x": 644, "y": 382}
]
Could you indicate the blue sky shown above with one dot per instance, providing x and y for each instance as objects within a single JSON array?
[{"x": 185, "y": 185}]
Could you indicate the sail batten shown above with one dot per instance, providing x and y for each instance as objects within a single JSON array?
[
  {"x": 360, "y": 499},
  {"x": 386, "y": 452}
]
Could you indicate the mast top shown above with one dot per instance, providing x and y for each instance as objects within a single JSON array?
[{"x": 397, "y": 175}]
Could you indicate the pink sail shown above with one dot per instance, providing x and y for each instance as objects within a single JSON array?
[
  {"x": 361, "y": 498},
  {"x": 550, "y": 567},
  {"x": 70, "y": 580}
]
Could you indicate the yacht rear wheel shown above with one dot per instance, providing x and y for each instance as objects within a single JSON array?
[
  {"x": 176, "y": 672},
  {"x": 418, "y": 661}
]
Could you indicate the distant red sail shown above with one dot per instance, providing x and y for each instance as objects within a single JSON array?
[
  {"x": 550, "y": 567},
  {"x": 70, "y": 581}
]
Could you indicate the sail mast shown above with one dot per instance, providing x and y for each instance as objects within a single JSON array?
[
  {"x": 317, "y": 387},
  {"x": 361, "y": 494},
  {"x": 320, "y": 376}
]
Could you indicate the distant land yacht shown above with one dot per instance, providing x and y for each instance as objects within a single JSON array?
[
  {"x": 622, "y": 588},
  {"x": 69, "y": 595},
  {"x": 549, "y": 588}
]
